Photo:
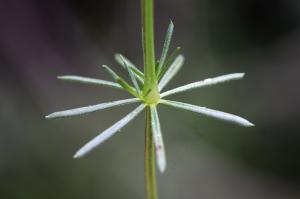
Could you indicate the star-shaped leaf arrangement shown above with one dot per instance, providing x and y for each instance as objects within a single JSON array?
[{"x": 166, "y": 68}]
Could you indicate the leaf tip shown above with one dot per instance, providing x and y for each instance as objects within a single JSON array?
[
  {"x": 249, "y": 124},
  {"x": 162, "y": 164},
  {"x": 241, "y": 74},
  {"x": 61, "y": 77},
  {"x": 171, "y": 23},
  {"x": 123, "y": 60},
  {"x": 80, "y": 153},
  {"x": 121, "y": 56},
  {"x": 180, "y": 58},
  {"x": 50, "y": 116},
  {"x": 109, "y": 70},
  {"x": 77, "y": 155},
  {"x": 246, "y": 123}
]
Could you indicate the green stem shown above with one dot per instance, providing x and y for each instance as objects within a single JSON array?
[
  {"x": 148, "y": 44},
  {"x": 151, "y": 94},
  {"x": 150, "y": 172}
]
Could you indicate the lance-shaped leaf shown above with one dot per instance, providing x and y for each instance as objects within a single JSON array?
[
  {"x": 167, "y": 63},
  {"x": 166, "y": 46},
  {"x": 108, "y": 132},
  {"x": 131, "y": 74},
  {"x": 158, "y": 140},
  {"x": 209, "y": 112},
  {"x": 87, "y": 80},
  {"x": 92, "y": 108},
  {"x": 120, "y": 81},
  {"x": 203, "y": 83},
  {"x": 171, "y": 72},
  {"x": 139, "y": 75}
]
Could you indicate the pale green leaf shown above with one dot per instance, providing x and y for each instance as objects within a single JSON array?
[
  {"x": 209, "y": 112},
  {"x": 131, "y": 74},
  {"x": 166, "y": 46},
  {"x": 87, "y": 80},
  {"x": 206, "y": 82},
  {"x": 91, "y": 108},
  {"x": 108, "y": 132},
  {"x": 158, "y": 140},
  {"x": 171, "y": 72},
  {"x": 167, "y": 63},
  {"x": 121, "y": 81},
  {"x": 139, "y": 75}
]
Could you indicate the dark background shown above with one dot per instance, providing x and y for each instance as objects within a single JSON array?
[{"x": 207, "y": 159}]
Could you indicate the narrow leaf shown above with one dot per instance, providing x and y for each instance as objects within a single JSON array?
[
  {"x": 156, "y": 67},
  {"x": 120, "y": 81},
  {"x": 87, "y": 80},
  {"x": 167, "y": 63},
  {"x": 210, "y": 112},
  {"x": 139, "y": 75},
  {"x": 171, "y": 72},
  {"x": 108, "y": 132},
  {"x": 206, "y": 82},
  {"x": 166, "y": 46},
  {"x": 158, "y": 140},
  {"x": 92, "y": 108},
  {"x": 131, "y": 74}
]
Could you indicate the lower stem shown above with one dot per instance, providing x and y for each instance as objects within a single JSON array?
[{"x": 150, "y": 169}]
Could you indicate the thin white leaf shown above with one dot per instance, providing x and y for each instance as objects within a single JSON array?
[
  {"x": 87, "y": 80},
  {"x": 203, "y": 83},
  {"x": 166, "y": 46},
  {"x": 209, "y": 112},
  {"x": 171, "y": 72},
  {"x": 92, "y": 108},
  {"x": 158, "y": 140},
  {"x": 108, "y": 132}
]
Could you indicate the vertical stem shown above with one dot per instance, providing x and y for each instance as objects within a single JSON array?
[
  {"x": 148, "y": 44},
  {"x": 151, "y": 93},
  {"x": 150, "y": 172}
]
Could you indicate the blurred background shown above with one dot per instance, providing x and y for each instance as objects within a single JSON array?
[{"x": 207, "y": 158}]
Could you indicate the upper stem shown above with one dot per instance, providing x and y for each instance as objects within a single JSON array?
[{"x": 150, "y": 82}]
